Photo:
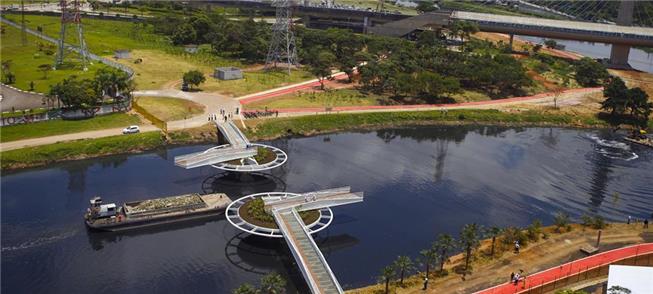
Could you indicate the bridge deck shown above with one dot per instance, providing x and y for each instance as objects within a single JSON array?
[
  {"x": 314, "y": 267},
  {"x": 239, "y": 148}
]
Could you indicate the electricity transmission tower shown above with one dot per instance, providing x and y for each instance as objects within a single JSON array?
[
  {"x": 70, "y": 16},
  {"x": 282, "y": 45}
]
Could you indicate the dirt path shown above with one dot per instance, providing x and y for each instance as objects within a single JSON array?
[
  {"x": 68, "y": 137},
  {"x": 556, "y": 250}
]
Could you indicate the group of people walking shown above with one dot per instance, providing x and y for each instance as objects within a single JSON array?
[{"x": 224, "y": 115}]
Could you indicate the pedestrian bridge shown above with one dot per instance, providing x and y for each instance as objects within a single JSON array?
[
  {"x": 285, "y": 208},
  {"x": 237, "y": 155}
]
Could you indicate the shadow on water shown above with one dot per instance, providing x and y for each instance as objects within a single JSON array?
[{"x": 237, "y": 185}]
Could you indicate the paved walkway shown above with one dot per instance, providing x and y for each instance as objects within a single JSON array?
[
  {"x": 212, "y": 103},
  {"x": 571, "y": 268},
  {"x": 5, "y": 146},
  {"x": 567, "y": 97}
]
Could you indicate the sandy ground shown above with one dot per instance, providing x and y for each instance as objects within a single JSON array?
[{"x": 557, "y": 249}]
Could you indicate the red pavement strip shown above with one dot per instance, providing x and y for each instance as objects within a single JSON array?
[
  {"x": 570, "y": 268},
  {"x": 389, "y": 107},
  {"x": 336, "y": 77}
]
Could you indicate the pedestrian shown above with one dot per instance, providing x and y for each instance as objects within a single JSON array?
[
  {"x": 277, "y": 113},
  {"x": 236, "y": 110},
  {"x": 646, "y": 223},
  {"x": 517, "y": 246},
  {"x": 516, "y": 280},
  {"x": 628, "y": 221},
  {"x": 426, "y": 283},
  {"x": 512, "y": 276}
]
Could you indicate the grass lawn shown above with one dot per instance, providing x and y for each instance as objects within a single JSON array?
[
  {"x": 60, "y": 127},
  {"x": 41, "y": 155},
  {"x": 26, "y": 59},
  {"x": 255, "y": 81},
  {"x": 169, "y": 109},
  {"x": 341, "y": 97}
]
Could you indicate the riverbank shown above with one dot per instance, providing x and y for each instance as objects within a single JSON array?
[
  {"x": 269, "y": 129},
  {"x": 556, "y": 249}
]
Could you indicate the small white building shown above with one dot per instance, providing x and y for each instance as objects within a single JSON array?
[
  {"x": 191, "y": 48},
  {"x": 228, "y": 73},
  {"x": 121, "y": 54}
]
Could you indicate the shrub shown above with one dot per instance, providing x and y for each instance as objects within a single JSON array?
[
  {"x": 534, "y": 230},
  {"x": 512, "y": 234}
]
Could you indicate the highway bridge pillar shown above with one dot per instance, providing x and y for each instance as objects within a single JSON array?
[{"x": 619, "y": 53}]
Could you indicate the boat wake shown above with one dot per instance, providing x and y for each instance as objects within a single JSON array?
[
  {"x": 613, "y": 149},
  {"x": 40, "y": 241}
]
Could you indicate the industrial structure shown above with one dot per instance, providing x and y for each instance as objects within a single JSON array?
[
  {"x": 70, "y": 16},
  {"x": 285, "y": 208},
  {"x": 282, "y": 45}
]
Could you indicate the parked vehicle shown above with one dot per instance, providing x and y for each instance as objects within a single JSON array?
[{"x": 131, "y": 130}]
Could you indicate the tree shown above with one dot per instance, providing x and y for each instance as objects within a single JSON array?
[
  {"x": 245, "y": 289},
  {"x": 273, "y": 283},
  {"x": 403, "y": 264},
  {"x": 321, "y": 65},
  {"x": 10, "y": 78},
  {"x": 443, "y": 244},
  {"x": 590, "y": 73},
  {"x": 76, "y": 93},
  {"x": 184, "y": 34},
  {"x": 194, "y": 77},
  {"x": 428, "y": 257},
  {"x": 433, "y": 84},
  {"x": 426, "y": 6},
  {"x": 561, "y": 220},
  {"x": 616, "y": 94},
  {"x": 493, "y": 232},
  {"x": 113, "y": 83},
  {"x": 640, "y": 107},
  {"x": 550, "y": 43},
  {"x": 618, "y": 290},
  {"x": 45, "y": 68},
  {"x": 387, "y": 273},
  {"x": 469, "y": 239}
]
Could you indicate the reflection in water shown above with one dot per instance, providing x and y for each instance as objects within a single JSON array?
[
  {"x": 438, "y": 177},
  {"x": 237, "y": 185}
]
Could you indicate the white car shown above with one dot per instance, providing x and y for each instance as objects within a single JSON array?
[{"x": 131, "y": 130}]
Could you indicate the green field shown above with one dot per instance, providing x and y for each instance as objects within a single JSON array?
[
  {"x": 169, "y": 109},
  {"x": 26, "y": 59},
  {"x": 60, "y": 127},
  {"x": 40, "y": 155}
]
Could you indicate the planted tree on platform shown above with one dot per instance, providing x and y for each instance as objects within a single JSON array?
[
  {"x": 387, "y": 273},
  {"x": 428, "y": 258},
  {"x": 493, "y": 232}
]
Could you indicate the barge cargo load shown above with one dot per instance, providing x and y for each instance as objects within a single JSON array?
[{"x": 138, "y": 214}]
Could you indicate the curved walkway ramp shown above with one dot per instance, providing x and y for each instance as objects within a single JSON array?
[
  {"x": 576, "y": 271},
  {"x": 239, "y": 148},
  {"x": 314, "y": 267}
]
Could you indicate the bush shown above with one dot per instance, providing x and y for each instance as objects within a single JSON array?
[
  {"x": 512, "y": 234},
  {"x": 534, "y": 230},
  {"x": 596, "y": 222}
]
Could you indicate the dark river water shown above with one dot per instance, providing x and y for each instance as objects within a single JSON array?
[{"x": 418, "y": 182}]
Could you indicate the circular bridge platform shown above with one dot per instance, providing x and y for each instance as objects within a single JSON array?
[
  {"x": 249, "y": 164},
  {"x": 233, "y": 216}
]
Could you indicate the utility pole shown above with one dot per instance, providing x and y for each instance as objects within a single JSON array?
[
  {"x": 71, "y": 16},
  {"x": 282, "y": 45}
]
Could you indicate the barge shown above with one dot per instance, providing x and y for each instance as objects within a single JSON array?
[{"x": 138, "y": 214}]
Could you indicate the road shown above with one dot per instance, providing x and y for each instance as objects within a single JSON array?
[{"x": 68, "y": 137}]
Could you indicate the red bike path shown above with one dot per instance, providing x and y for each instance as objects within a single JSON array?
[
  {"x": 342, "y": 76},
  {"x": 570, "y": 268}
]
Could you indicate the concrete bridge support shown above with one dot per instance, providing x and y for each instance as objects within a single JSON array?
[{"x": 619, "y": 53}]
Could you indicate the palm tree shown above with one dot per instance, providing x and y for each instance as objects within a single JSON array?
[
  {"x": 386, "y": 274},
  {"x": 443, "y": 245},
  {"x": 402, "y": 265},
  {"x": 493, "y": 232},
  {"x": 469, "y": 239},
  {"x": 245, "y": 289},
  {"x": 273, "y": 283},
  {"x": 429, "y": 257}
]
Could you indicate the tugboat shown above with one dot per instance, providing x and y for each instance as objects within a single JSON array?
[{"x": 138, "y": 214}]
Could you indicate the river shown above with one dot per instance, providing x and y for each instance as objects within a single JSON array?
[
  {"x": 638, "y": 59},
  {"x": 418, "y": 182}
]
